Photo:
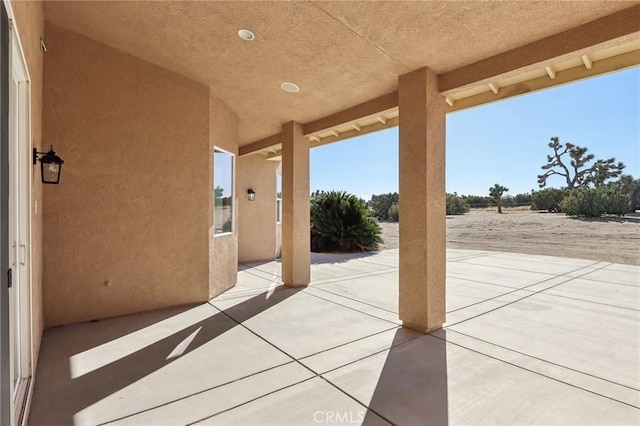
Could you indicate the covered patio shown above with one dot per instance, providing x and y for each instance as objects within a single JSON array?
[
  {"x": 173, "y": 120},
  {"x": 528, "y": 340}
]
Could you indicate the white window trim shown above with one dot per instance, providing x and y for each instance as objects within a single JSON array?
[{"x": 233, "y": 189}]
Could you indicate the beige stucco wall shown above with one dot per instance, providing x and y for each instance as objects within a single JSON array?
[
  {"x": 30, "y": 26},
  {"x": 223, "y": 249},
  {"x": 256, "y": 219},
  {"x": 126, "y": 230}
]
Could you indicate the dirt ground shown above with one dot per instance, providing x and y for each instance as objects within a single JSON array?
[{"x": 608, "y": 239}]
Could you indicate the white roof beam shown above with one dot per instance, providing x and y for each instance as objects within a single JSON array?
[{"x": 550, "y": 72}]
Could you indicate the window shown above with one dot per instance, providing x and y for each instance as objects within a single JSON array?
[
  {"x": 278, "y": 198},
  {"x": 223, "y": 191}
]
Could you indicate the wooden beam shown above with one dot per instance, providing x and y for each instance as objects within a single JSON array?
[
  {"x": 551, "y": 72},
  {"x": 275, "y": 156},
  {"x": 260, "y": 145},
  {"x": 614, "y": 63},
  {"x": 315, "y": 142},
  {"x": 620, "y": 24},
  {"x": 391, "y": 122},
  {"x": 364, "y": 109}
]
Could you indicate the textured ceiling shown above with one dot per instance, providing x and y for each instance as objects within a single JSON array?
[{"x": 339, "y": 53}]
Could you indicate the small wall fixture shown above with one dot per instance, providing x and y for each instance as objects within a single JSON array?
[
  {"x": 50, "y": 165},
  {"x": 251, "y": 194}
]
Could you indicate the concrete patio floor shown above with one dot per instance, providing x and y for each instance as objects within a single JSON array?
[{"x": 528, "y": 340}]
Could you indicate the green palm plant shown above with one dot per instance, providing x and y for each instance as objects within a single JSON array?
[{"x": 342, "y": 222}]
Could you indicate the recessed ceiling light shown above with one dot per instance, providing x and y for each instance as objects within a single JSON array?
[
  {"x": 290, "y": 87},
  {"x": 246, "y": 35}
]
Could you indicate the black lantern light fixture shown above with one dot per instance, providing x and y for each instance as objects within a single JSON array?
[
  {"x": 251, "y": 194},
  {"x": 50, "y": 165}
]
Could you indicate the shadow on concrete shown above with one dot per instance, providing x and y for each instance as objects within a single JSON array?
[
  {"x": 413, "y": 385},
  {"x": 58, "y": 396},
  {"x": 332, "y": 258},
  {"x": 316, "y": 259},
  {"x": 251, "y": 265}
]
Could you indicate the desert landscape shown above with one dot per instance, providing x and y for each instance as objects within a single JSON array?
[{"x": 611, "y": 239}]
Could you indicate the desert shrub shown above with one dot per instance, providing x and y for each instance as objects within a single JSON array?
[
  {"x": 393, "y": 213},
  {"x": 380, "y": 204},
  {"x": 583, "y": 202},
  {"x": 456, "y": 205},
  {"x": 549, "y": 199},
  {"x": 508, "y": 201},
  {"x": 616, "y": 199},
  {"x": 632, "y": 187},
  {"x": 594, "y": 202},
  {"x": 522, "y": 199},
  {"x": 342, "y": 222},
  {"x": 479, "y": 201}
]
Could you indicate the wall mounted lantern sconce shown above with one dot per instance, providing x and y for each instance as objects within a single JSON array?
[
  {"x": 50, "y": 165},
  {"x": 251, "y": 194}
]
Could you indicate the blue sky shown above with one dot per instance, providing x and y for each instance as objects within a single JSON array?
[{"x": 504, "y": 142}]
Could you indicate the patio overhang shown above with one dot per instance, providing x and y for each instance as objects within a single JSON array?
[
  {"x": 449, "y": 55},
  {"x": 347, "y": 68},
  {"x": 140, "y": 96},
  {"x": 466, "y": 87}
]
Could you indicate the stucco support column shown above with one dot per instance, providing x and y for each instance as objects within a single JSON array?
[
  {"x": 296, "y": 251},
  {"x": 422, "y": 201}
]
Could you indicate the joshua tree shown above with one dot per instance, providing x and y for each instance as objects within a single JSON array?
[
  {"x": 217, "y": 192},
  {"x": 496, "y": 192},
  {"x": 577, "y": 173}
]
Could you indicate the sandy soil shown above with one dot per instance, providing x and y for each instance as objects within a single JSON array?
[{"x": 609, "y": 239}]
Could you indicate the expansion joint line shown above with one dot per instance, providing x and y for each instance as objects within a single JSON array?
[
  {"x": 533, "y": 293},
  {"x": 444, "y": 339},
  {"x": 383, "y": 51}
]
